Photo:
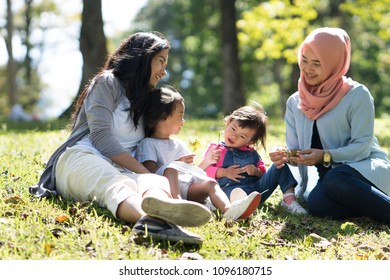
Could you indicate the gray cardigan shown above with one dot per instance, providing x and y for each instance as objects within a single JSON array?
[
  {"x": 95, "y": 119},
  {"x": 347, "y": 131}
]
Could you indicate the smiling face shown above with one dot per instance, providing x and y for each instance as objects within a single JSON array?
[
  {"x": 158, "y": 65},
  {"x": 236, "y": 136},
  {"x": 311, "y": 67}
]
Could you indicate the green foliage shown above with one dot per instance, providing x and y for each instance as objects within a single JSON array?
[
  {"x": 370, "y": 36},
  {"x": 55, "y": 229},
  {"x": 195, "y": 60},
  {"x": 269, "y": 35},
  {"x": 275, "y": 28}
]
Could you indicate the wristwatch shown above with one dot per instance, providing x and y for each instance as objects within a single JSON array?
[{"x": 327, "y": 159}]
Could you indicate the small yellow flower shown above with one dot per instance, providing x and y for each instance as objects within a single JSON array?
[{"x": 194, "y": 144}]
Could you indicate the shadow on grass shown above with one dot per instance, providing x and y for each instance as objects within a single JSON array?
[{"x": 298, "y": 227}]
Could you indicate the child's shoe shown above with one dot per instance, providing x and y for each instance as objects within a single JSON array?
[
  {"x": 237, "y": 194},
  {"x": 243, "y": 208},
  {"x": 289, "y": 202},
  {"x": 294, "y": 207}
]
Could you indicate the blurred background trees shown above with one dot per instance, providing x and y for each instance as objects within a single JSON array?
[{"x": 225, "y": 53}]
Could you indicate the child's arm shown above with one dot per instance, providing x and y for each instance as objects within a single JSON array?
[
  {"x": 212, "y": 157},
  {"x": 151, "y": 165}
]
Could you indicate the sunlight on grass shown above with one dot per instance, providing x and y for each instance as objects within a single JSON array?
[{"x": 57, "y": 229}]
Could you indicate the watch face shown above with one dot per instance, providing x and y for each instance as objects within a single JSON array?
[{"x": 327, "y": 157}]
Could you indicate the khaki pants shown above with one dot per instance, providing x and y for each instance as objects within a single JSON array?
[{"x": 83, "y": 175}]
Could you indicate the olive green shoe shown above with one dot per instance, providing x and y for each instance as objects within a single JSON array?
[
  {"x": 177, "y": 211},
  {"x": 149, "y": 227}
]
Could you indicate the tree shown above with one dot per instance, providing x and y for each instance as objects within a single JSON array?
[
  {"x": 233, "y": 95},
  {"x": 23, "y": 84},
  {"x": 195, "y": 61},
  {"x": 93, "y": 44},
  {"x": 13, "y": 96}
]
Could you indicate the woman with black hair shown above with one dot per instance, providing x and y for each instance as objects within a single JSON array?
[{"x": 97, "y": 160}]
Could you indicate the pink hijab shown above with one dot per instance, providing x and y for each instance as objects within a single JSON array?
[{"x": 333, "y": 49}]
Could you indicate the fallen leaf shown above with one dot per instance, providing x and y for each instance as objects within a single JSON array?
[
  {"x": 49, "y": 248},
  {"x": 15, "y": 178},
  {"x": 361, "y": 256},
  {"x": 14, "y": 200},
  {"x": 365, "y": 247},
  {"x": 316, "y": 240},
  {"x": 57, "y": 232},
  {"x": 381, "y": 256},
  {"x": 61, "y": 218},
  {"x": 349, "y": 228}
]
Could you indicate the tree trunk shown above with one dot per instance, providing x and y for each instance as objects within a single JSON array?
[
  {"x": 286, "y": 88},
  {"x": 13, "y": 96},
  {"x": 27, "y": 41},
  {"x": 92, "y": 45},
  {"x": 233, "y": 95}
]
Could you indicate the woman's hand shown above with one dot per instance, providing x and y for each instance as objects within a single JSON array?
[
  {"x": 278, "y": 157},
  {"x": 309, "y": 157}
]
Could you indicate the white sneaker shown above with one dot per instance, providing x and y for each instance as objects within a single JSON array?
[
  {"x": 243, "y": 208},
  {"x": 237, "y": 194},
  {"x": 294, "y": 208}
]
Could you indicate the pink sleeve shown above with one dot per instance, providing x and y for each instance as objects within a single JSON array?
[
  {"x": 211, "y": 171},
  {"x": 261, "y": 166}
]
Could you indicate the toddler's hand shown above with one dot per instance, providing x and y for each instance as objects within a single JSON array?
[
  {"x": 233, "y": 173},
  {"x": 188, "y": 158},
  {"x": 212, "y": 156},
  {"x": 250, "y": 169}
]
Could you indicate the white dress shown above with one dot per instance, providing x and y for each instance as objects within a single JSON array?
[{"x": 166, "y": 152}]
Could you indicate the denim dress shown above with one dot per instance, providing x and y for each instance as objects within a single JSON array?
[{"x": 266, "y": 184}]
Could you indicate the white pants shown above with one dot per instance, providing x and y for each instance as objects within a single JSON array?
[{"x": 83, "y": 175}]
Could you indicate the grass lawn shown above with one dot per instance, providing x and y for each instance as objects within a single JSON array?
[{"x": 32, "y": 229}]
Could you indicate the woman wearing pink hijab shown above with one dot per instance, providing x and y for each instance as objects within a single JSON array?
[{"x": 331, "y": 120}]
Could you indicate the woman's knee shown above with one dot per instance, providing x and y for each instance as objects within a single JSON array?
[
  {"x": 148, "y": 183},
  {"x": 335, "y": 182}
]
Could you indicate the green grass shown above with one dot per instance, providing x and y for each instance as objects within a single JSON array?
[{"x": 57, "y": 229}]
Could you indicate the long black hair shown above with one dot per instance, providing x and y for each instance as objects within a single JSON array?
[{"x": 131, "y": 64}]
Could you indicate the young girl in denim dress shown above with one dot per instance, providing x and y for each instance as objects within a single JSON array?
[{"x": 240, "y": 166}]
